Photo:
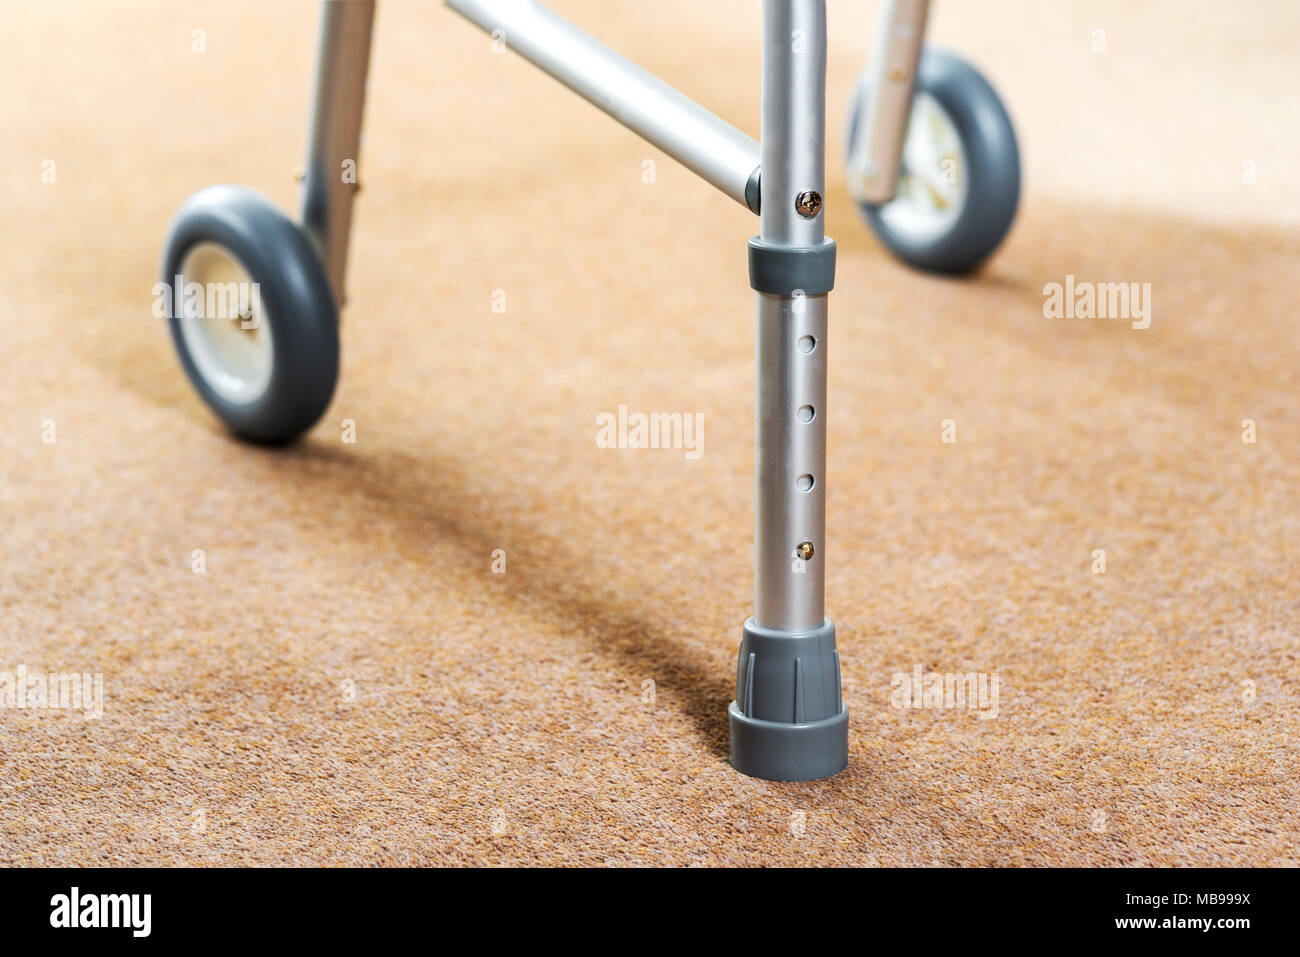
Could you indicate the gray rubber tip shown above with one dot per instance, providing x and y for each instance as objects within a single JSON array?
[{"x": 789, "y": 722}]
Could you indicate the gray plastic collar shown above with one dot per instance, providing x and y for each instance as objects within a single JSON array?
[{"x": 783, "y": 270}]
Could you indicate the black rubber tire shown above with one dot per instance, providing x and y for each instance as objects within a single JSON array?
[
  {"x": 300, "y": 307},
  {"x": 993, "y": 168}
]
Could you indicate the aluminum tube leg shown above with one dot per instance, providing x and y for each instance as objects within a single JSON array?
[
  {"x": 876, "y": 153},
  {"x": 788, "y": 721},
  {"x": 331, "y": 181}
]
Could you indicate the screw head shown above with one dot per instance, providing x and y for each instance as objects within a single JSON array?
[
  {"x": 808, "y": 203},
  {"x": 805, "y": 550}
]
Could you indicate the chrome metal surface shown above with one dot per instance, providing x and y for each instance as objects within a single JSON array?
[{"x": 808, "y": 203}]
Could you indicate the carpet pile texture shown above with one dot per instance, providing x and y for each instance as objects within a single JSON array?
[{"x": 348, "y": 680}]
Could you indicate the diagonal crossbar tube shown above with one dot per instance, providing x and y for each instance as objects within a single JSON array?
[{"x": 708, "y": 146}]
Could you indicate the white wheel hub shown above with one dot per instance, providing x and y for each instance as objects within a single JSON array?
[
  {"x": 224, "y": 324},
  {"x": 932, "y": 183}
]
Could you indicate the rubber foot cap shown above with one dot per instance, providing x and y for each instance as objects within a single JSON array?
[
  {"x": 789, "y": 752},
  {"x": 788, "y": 722}
]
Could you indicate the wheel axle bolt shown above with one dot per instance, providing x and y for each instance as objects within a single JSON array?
[
  {"x": 805, "y": 550},
  {"x": 808, "y": 203}
]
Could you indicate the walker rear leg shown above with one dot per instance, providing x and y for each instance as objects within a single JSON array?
[{"x": 331, "y": 180}]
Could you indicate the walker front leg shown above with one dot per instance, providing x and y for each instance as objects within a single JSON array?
[
  {"x": 268, "y": 370},
  {"x": 876, "y": 151},
  {"x": 788, "y": 721},
  {"x": 331, "y": 181}
]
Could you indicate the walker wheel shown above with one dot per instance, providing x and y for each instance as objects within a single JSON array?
[
  {"x": 959, "y": 184},
  {"x": 251, "y": 313}
]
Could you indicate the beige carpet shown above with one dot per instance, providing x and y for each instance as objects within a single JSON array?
[{"x": 349, "y": 682}]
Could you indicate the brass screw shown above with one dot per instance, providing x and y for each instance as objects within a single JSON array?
[
  {"x": 898, "y": 74},
  {"x": 805, "y": 550},
  {"x": 808, "y": 203},
  {"x": 299, "y": 174}
]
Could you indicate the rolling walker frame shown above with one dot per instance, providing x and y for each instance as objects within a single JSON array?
[{"x": 788, "y": 720}]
